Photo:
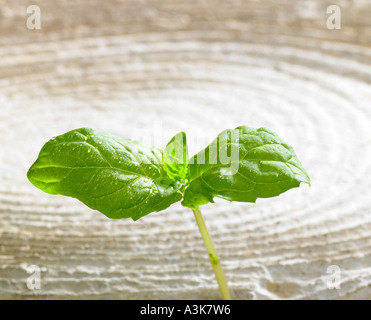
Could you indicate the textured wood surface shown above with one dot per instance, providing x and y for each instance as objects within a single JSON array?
[{"x": 148, "y": 69}]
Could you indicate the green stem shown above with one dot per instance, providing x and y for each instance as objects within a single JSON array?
[{"x": 213, "y": 255}]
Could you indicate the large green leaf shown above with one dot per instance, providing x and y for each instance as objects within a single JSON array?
[
  {"x": 243, "y": 164},
  {"x": 175, "y": 157},
  {"x": 120, "y": 178}
]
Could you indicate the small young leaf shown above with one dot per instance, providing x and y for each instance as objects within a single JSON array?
[
  {"x": 120, "y": 178},
  {"x": 242, "y": 165},
  {"x": 175, "y": 157}
]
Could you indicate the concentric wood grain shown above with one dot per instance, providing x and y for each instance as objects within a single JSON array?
[{"x": 148, "y": 69}]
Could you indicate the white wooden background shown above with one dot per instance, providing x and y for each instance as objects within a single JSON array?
[{"x": 149, "y": 69}]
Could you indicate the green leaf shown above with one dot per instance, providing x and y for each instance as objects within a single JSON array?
[
  {"x": 175, "y": 158},
  {"x": 243, "y": 164},
  {"x": 120, "y": 178}
]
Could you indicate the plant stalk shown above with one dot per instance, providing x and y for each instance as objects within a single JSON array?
[{"x": 213, "y": 255}]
